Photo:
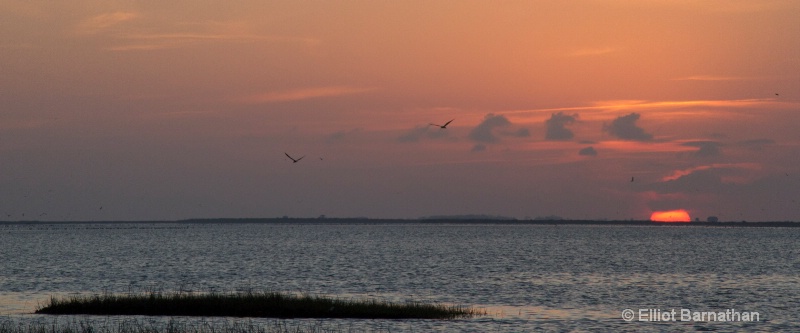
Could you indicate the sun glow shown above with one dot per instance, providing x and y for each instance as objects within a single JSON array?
[{"x": 678, "y": 215}]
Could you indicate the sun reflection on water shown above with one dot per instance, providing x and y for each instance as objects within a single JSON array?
[{"x": 531, "y": 312}]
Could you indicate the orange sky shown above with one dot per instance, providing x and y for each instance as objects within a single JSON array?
[{"x": 183, "y": 109}]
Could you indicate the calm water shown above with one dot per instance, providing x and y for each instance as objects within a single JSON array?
[{"x": 527, "y": 277}]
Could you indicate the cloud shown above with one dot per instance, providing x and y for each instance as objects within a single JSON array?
[
  {"x": 137, "y": 47},
  {"x": 104, "y": 21},
  {"x": 709, "y": 78},
  {"x": 654, "y": 105},
  {"x": 520, "y": 133},
  {"x": 555, "y": 127},
  {"x": 186, "y": 34},
  {"x": 139, "y": 42},
  {"x": 588, "y": 52},
  {"x": 17, "y": 46},
  {"x": 707, "y": 148},
  {"x": 624, "y": 127},
  {"x": 708, "y": 184},
  {"x": 756, "y": 144},
  {"x": 218, "y": 36},
  {"x": 340, "y": 135},
  {"x": 703, "y": 180},
  {"x": 588, "y": 151},
  {"x": 479, "y": 147},
  {"x": 300, "y": 94},
  {"x": 486, "y": 131},
  {"x": 720, "y": 167},
  {"x": 421, "y": 132}
]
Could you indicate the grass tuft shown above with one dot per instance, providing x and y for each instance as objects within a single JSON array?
[
  {"x": 248, "y": 304},
  {"x": 171, "y": 326}
]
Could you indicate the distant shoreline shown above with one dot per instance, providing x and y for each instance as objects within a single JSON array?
[{"x": 291, "y": 220}]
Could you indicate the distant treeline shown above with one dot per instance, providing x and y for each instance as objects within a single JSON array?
[
  {"x": 436, "y": 220},
  {"x": 431, "y": 220}
]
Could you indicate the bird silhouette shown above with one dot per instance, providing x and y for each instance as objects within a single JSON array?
[
  {"x": 445, "y": 124},
  {"x": 294, "y": 160}
]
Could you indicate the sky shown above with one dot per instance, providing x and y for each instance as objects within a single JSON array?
[{"x": 585, "y": 109}]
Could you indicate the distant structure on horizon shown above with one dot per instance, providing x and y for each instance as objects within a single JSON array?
[
  {"x": 548, "y": 218},
  {"x": 712, "y": 219},
  {"x": 468, "y": 217}
]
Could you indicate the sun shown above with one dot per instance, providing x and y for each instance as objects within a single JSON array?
[{"x": 678, "y": 215}]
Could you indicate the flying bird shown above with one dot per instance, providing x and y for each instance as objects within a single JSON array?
[
  {"x": 445, "y": 124},
  {"x": 294, "y": 160}
]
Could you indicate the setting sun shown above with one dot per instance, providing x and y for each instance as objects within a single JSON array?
[{"x": 678, "y": 215}]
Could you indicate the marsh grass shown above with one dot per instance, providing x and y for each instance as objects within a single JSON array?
[
  {"x": 248, "y": 304},
  {"x": 169, "y": 326}
]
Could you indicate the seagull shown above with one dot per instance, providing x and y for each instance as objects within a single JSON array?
[
  {"x": 294, "y": 160},
  {"x": 445, "y": 124}
]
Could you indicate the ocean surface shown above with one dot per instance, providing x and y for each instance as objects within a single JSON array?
[{"x": 526, "y": 277}]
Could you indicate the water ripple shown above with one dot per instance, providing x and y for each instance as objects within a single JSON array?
[{"x": 527, "y": 277}]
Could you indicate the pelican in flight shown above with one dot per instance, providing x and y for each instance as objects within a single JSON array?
[
  {"x": 294, "y": 160},
  {"x": 445, "y": 124}
]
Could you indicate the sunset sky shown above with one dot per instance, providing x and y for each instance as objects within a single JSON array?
[{"x": 586, "y": 109}]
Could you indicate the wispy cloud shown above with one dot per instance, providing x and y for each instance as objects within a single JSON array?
[
  {"x": 300, "y": 94},
  {"x": 627, "y": 105},
  {"x": 640, "y": 105},
  {"x": 420, "y": 132},
  {"x": 152, "y": 34},
  {"x": 740, "y": 6},
  {"x": 102, "y": 22},
  {"x": 216, "y": 36},
  {"x": 756, "y": 144},
  {"x": 705, "y": 148},
  {"x": 588, "y": 52},
  {"x": 676, "y": 174},
  {"x": 139, "y": 47},
  {"x": 17, "y": 46},
  {"x": 340, "y": 136},
  {"x": 155, "y": 41},
  {"x": 710, "y": 78}
]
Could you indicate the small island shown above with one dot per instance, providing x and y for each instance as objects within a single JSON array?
[{"x": 248, "y": 304}]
